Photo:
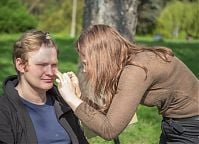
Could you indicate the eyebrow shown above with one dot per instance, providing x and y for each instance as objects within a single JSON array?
[{"x": 45, "y": 62}]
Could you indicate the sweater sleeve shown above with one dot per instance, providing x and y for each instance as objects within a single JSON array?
[{"x": 131, "y": 87}]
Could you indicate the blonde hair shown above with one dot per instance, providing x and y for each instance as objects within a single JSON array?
[
  {"x": 30, "y": 41},
  {"x": 106, "y": 53}
]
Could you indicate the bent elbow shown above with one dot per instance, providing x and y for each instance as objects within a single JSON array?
[{"x": 109, "y": 136}]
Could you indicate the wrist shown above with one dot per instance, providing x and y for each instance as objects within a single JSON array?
[{"x": 73, "y": 102}]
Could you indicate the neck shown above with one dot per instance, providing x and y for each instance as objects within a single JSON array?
[{"x": 31, "y": 94}]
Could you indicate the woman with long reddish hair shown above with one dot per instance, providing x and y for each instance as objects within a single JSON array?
[{"x": 121, "y": 75}]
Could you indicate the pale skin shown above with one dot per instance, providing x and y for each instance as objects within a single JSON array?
[
  {"x": 68, "y": 86},
  {"x": 38, "y": 75}
]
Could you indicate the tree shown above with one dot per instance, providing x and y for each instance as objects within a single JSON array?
[
  {"x": 73, "y": 23},
  {"x": 148, "y": 11},
  {"x": 56, "y": 15},
  {"x": 191, "y": 21},
  {"x": 14, "y": 17},
  {"x": 179, "y": 19},
  {"x": 121, "y": 14}
]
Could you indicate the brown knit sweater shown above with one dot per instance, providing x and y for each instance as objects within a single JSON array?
[{"x": 171, "y": 87}]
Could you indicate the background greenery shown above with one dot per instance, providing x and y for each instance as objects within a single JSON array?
[
  {"x": 158, "y": 20},
  {"x": 169, "y": 18},
  {"x": 14, "y": 17},
  {"x": 147, "y": 130}
]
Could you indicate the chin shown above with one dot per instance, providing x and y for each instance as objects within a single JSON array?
[{"x": 47, "y": 86}]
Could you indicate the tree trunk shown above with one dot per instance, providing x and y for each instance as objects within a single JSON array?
[
  {"x": 73, "y": 22},
  {"x": 121, "y": 14}
]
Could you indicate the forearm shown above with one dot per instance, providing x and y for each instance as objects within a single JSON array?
[
  {"x": 96, "y": 121},
  {"x": 123, "y": 106}
]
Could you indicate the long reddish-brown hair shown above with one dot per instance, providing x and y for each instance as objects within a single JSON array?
[{"x": 105, "y": 53}]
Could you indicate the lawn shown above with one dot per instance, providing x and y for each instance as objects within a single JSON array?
[{"x": 147, "y": 130}]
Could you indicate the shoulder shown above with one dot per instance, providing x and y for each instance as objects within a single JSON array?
[
  {"x": 155, "y": 66},
  {"x": 142, "y": 63},
  {"x": 148, "y": 58},
  {"x": 152, "y": 61},
  {"x": 5, "y": 108},
  {"x": 8, "y": 106},
  {"x": 4, "y": 102},
  {"x": 135, "y": 74}
]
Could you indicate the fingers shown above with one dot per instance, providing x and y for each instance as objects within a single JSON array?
[
  {"x": 66, "y": 77},
  {"x": 63, "y": 78},
  {"x": 59, "y": 77},
  {"x": 68, "y": 82},
  {"x": 69, "y": 76},
  {"x": 58, "y": 81},
  {"x": 59, "y": 74}
]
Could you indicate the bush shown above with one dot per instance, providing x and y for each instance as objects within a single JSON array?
[
  {"x": 178, "y": 20},
  {"x": 56, "y": 16},
  {"x": 14, "y": 17}
]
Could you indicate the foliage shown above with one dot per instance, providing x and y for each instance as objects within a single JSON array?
[
  {"x": 179, "y": 19},
  {"x": 148, "y": 11},
  {"x": 191, "y": 21},
  {"x": 57, "y": 17},
  {"x": 171, "y": 18},
  {"x": 14, "y": 17}
]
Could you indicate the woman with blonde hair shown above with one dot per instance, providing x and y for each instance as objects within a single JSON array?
[{"x": 124, "y": 75}]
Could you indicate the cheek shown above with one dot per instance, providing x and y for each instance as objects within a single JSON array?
[
  {"x": 35, "y": 70},
  {"x": 54, "y": 70}
]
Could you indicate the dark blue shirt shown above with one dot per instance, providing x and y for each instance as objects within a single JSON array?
[{"x": 47, "y": 127}]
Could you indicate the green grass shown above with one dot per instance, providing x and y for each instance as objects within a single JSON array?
[{"x": 147, "y": 130}]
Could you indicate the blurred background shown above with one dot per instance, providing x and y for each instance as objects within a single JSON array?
[
  {"x": 166, "y": 18},
  {"x": 170, "y": 23}
]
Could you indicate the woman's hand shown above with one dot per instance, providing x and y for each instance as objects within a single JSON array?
[
  {"x": 75, "y": 83},
  {"x": 67, "y": 86}
]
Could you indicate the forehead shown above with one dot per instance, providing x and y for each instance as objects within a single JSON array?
[{"x": 43, "y": 55}]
